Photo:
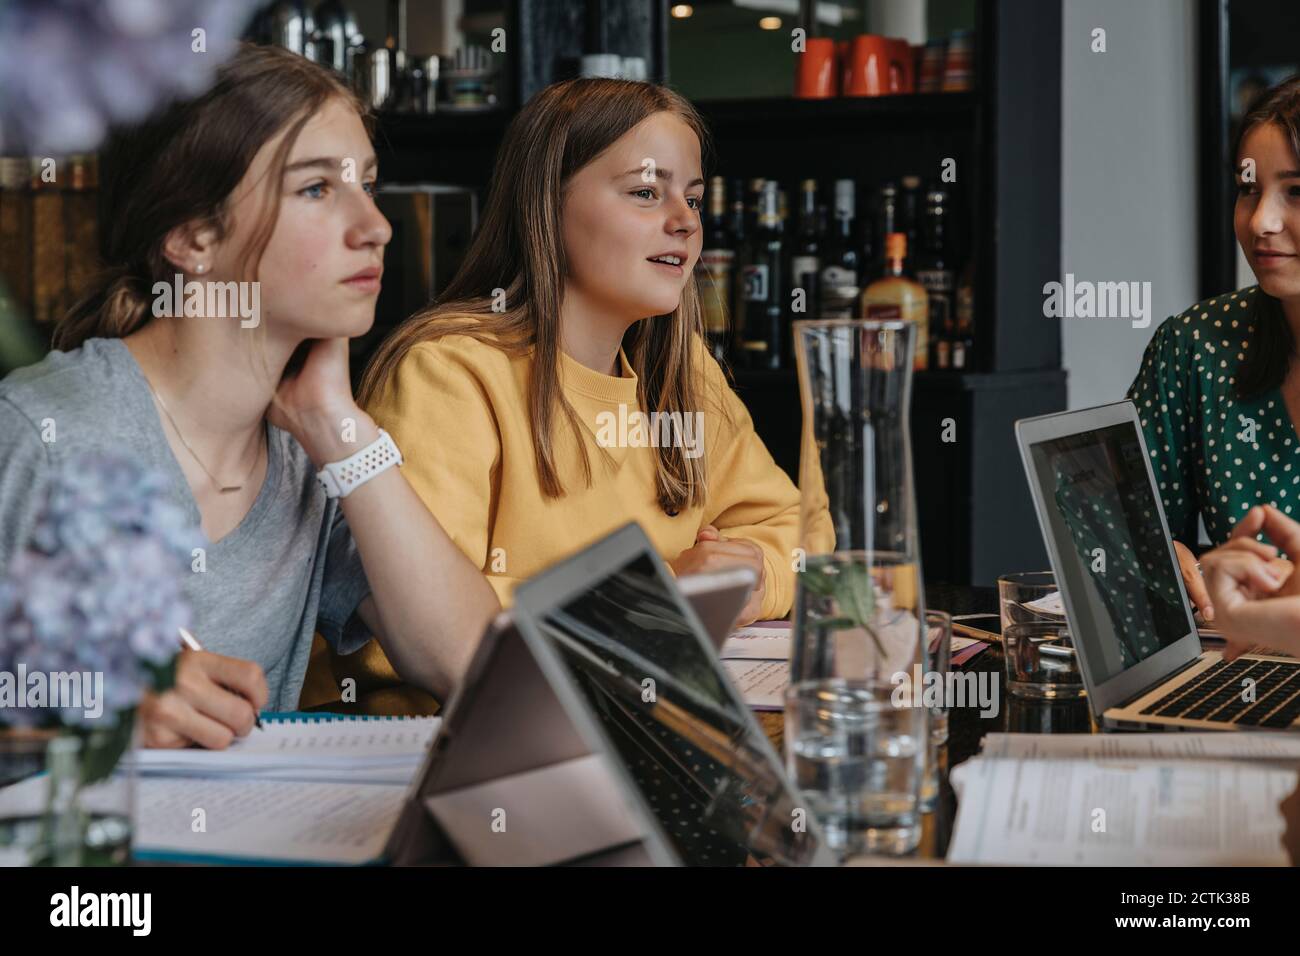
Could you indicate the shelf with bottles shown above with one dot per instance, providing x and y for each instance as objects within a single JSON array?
[
  {"x": 930, "y": 379},
  {"x": 1005, "y": 139},
  {"x": 829, "y": 252}
]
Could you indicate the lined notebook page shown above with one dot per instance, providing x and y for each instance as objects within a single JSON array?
[
  {"x": 284, "y": 745},
  {"x": 240, "y": 819},
  {"x": 328, "y": 822}
]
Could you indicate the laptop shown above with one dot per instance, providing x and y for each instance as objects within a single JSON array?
[
  {"x": 596, "y": 726},
  {"x": 1139, "y": 651}
]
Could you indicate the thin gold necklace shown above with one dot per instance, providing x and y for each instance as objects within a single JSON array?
[{"x": 221, "y": 488}]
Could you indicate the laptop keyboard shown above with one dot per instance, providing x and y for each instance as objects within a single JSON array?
[{"x": 1216, "y": 695}]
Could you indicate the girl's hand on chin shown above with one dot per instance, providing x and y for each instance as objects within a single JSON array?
[{"x": 314, "y": 403}]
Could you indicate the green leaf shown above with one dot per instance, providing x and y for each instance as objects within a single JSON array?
[
  {"x": 103, "y": 747},
  {"x": 162, "y": 677}
]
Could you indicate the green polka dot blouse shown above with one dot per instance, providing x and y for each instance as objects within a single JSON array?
[{"x": 1213, "y": 454}]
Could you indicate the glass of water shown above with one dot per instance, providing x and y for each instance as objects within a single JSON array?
[
  {"x": 1041, "y": 662},
  {"x": 1029, "y": 597},
  {"x": 854, "y": 754}
]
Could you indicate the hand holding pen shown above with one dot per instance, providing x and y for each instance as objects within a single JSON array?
[
  {"x": 215, "y": 699},
  {"x": 192, "y": 643}
]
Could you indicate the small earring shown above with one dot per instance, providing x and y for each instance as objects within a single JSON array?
[{"x": 200, "y": 268}]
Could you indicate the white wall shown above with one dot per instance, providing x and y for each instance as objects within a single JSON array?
[{"x": 1128, "y": 176}]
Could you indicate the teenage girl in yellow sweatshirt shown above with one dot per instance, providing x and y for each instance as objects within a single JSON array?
[{"x": 520, "y": 400}]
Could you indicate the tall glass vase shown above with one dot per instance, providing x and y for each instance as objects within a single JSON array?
[{"x": 856, "y": 745}]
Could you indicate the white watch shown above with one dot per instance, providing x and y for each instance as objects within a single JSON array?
[{"x": 341, "y": 478}]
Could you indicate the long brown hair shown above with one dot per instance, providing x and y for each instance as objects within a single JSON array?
[
  {"x": 181, "y": 167},
  {"x": 519, "y": 249},
  {"x": 1268, "y": 360}
]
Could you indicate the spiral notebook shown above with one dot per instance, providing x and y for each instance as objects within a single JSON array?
[{"x": 305, "y": 788}]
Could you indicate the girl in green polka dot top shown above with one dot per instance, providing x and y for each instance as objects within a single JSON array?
[{"x": 1217, "y": 389}]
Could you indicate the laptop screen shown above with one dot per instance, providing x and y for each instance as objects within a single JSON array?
[
  {"x": 687, "y": 742},
  {"x": 1114, "y": 559}
]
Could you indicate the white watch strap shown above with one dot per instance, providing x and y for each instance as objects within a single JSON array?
[{"x": 341, "y": 478}]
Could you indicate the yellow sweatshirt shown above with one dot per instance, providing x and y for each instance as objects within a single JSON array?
[{"x": 458, "y": 410}]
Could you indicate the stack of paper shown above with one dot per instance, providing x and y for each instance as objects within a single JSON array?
[
  {"x": 1125, "y": 800},
  {"x": 758, "y": 660}
]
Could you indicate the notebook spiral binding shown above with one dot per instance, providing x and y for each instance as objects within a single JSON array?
[{"x": 310, "y": 717}]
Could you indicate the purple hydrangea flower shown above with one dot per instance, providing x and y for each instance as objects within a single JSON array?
[
  {"x": 70, "y": 68},
  {"x": 99, "y": 588}
]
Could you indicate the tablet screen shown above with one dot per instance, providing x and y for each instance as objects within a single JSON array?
[{"x": 689, "y": 745}]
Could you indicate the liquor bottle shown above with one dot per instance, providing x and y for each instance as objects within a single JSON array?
[
  {"x": 764, "y": 288},
  {"x": 739, "y": 233},
  {"x": 909, "y": 211},
  {"x": 964, "y": 341},
  {"x": 868, "y": 242},
  {"x": 896, "y": 295},
  {"x": 886, "y": 222},
  {"x": 713, "y": 271},
  {"x": 934, "y": 270},
  {"x": 753, "y": 200},
  {"x": 841, "y": 263},
  {"x": 805, "y": 256}
]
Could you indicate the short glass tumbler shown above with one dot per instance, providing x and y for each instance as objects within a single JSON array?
[{"x": 854, "y": 751}]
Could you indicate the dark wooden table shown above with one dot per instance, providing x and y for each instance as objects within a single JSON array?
[{"x": 966, "y": 728}]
